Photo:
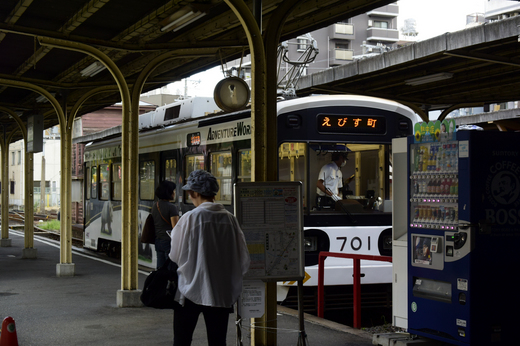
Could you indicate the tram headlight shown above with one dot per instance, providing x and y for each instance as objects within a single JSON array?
[{"x": 310, "y": 243}]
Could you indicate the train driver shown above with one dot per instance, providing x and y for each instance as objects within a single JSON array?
[{"x": 330, "y": 181}]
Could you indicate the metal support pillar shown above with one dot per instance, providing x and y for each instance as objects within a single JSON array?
[
  {"x": 4, "y": 147},
  {"x": 29, "y": 251},
  {"x": 128, "y": 295},
  {"x": 261, "y": 170},
  {"x": 65, "y": 267},
  {"x": 65, "y": 253}
]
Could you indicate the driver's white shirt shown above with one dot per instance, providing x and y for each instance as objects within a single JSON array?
[{"x": 332, "y": 178}]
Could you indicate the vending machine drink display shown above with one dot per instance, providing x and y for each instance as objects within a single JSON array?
[{"x": 463, "y": 235}]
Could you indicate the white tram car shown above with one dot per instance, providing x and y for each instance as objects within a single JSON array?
[{"x": 178, "y": 138}]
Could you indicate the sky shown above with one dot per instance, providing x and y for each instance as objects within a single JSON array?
[{"x": 433, "y": 18}]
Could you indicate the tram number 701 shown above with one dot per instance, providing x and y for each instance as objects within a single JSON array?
[{"x": 355, "y": 243}]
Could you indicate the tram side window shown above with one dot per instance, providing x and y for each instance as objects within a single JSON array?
[
  {"x": 104, "y": 182},
  {"x": 93, "y": 182},
  {"x": 292, "y": 163},
  {"x": 116, "y": 182},
  {"x": 193, "y": 162},
  {"x": 88, "y": 182},
  {"x": 244, "y": 165},
  {"x": 170, "y": 169},
  {"x": 221, "y": 169},
  {"x": 147, "y": 180}
]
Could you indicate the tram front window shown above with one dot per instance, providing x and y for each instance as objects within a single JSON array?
[{"x": 365, "y": 181}]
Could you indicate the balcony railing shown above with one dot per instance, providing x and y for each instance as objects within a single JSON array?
[
  {"x": 343, "y": 31},
  {"x": 343, "y": 54},
  {"x": 385, "y": 35},
  {"x": 390, "y": 10},
  {"x": 340, "y": 56}
]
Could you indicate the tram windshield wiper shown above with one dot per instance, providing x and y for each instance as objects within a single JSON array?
[{"x": 348, "y": 214}]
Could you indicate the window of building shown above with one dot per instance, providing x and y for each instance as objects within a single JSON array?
[
  {"x": 53, "y": 186},
  {"x": 380, "y": 24},
  {"x": 12, "y": 158},
  {"x": 147, "y": 180},
  {"x": 19, "y": 157},
  {"x": 116, "y": 182},
  {"x": 104, "y": 181},
  {"x": 221, "y": 168},
  {"x": 12, "y": 187}
]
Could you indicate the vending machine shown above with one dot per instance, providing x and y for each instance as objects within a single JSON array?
[{"x": 464, "y": 235}]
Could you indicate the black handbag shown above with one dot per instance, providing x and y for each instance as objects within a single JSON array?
[{"x": 160, "y": 287}]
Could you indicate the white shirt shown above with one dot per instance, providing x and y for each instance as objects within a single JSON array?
[
  {"x": 332, "y": 178},
  {"x": 211, "y": 252}
]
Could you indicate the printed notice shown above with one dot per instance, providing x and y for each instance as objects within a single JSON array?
[
  {"x": 252, "y": 300},
  {"x": 270, "y": 215}
]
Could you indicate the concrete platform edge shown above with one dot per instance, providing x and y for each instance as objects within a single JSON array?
[{"x": 325, "y": 323}]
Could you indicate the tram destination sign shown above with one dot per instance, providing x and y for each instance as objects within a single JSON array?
[{"x": 344, "y": 123}]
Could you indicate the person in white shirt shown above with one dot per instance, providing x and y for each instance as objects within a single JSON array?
[
  {"x": 330, "y": 181},
  {"x": 210, "y": 249}
]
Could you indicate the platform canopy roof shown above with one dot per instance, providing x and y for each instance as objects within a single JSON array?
[
  {"x": 131, "y": 33},
  {"x": 207, "y": 33}
]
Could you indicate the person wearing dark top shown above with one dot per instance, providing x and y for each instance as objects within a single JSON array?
[{"x": 165, "y": 216}]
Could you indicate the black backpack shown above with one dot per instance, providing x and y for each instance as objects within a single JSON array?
[{"x": 160, "y": 287}]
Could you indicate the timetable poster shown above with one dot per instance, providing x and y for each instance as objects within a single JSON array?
[{"x": 270, "y": 215}]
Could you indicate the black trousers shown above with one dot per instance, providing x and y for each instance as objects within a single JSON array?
[{"x": 185, "y": 320}]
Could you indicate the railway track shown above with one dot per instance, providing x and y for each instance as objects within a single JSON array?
[{"x": 17, "y": 220}]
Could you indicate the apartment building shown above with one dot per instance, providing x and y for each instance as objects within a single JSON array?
[{"x": 501, "y": 9}]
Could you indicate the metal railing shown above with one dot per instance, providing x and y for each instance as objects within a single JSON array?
[{"x": 356, "y": 280}]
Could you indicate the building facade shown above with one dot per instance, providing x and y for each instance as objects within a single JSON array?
[
  {"x": 354, "y": 38},
  {"x": 46, "y": 194},
  {"x": 501, "y": 9}
]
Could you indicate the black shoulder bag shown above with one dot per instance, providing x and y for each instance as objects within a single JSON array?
[{"x": 160, "y": 287}]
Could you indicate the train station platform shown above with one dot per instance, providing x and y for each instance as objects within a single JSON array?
[{"x": 82, "y": 310}]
